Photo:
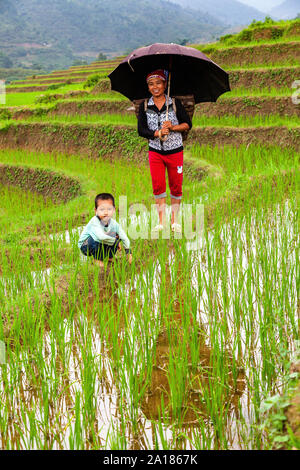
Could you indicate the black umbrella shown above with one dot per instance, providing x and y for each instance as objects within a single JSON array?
[{"x": 193, "y": 73}]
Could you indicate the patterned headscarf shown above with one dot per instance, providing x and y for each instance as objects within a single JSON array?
[{"x": 156, "y": 74}]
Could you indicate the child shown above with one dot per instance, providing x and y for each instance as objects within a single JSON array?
[
  {"x": 102, "y": 235},
  {"x": 154, "y": 126}
]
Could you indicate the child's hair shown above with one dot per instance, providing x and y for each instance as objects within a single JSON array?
[{"x": 104, "y": 197}]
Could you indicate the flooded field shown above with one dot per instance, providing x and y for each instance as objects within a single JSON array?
[{"x": 178, "y": 353}]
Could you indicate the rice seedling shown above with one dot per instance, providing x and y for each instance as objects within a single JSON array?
[
  {"x": 263, "y": 91},
  {"x": 198, "y": 121}
]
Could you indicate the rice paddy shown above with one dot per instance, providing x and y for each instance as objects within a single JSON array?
[
  {"x": 183, "y": 348},
  {"x": 198, "y": 121}
]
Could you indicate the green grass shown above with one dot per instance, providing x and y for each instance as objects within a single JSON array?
[
  {"x": 209, "y": 48},
  {"x": 113, "y": 96},
  {"x": 41, "y": 80},
  {"x": 28, "y": 98},
  {"x": 24, "y": 204},
  {"x": 198, "y": 121},
  {"x": 263, "y": 91},
  {"x": 21, "y": 99},
  {"x": 214, "y": 328},
  {"x": 72, "y": 86},
  {"x": 265, "y": 67}
]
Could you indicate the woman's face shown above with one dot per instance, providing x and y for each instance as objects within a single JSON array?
[{"x": 156, "y": 87}]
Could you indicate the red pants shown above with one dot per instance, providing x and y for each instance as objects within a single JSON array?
[{"x": 174, "y": 164}]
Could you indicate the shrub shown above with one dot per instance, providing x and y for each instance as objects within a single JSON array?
[
  {"x": 55, "y": 86},
  {"x": 5, "y": 114},
  {"x": 92, "y": 80},
  {"x": 45, "y": 99},
  {"x": 277, "y": 33}
]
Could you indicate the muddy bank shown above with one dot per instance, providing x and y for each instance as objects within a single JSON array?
[
  {"x": 258, "y": 54},
  {"x": 56, "y": 186},
  {"x": 293, "y": 411},
  {"x": 249, "y": 78},
  {"x": 66, "y": 74},
  {"x": 249, "y": 106},
  {"x": 110, "y": 141},
  {"x": 276, "y": 135},
  {"x": 87, "y": 140},
  {"x": 239, "y": 106},
  {"x": 276, "y": 77},
  {"x": 49, "y": 81},
  {"x": 71, "y": 108}
]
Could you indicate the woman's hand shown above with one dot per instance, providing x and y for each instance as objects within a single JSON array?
[
  {"x": 167, "y": 125},
  {"x": 163, "y": 132}
]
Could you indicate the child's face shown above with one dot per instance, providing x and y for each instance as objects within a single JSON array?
[
  {"x": 105, "y": 210},
  {"x": 156, "y": 87}
]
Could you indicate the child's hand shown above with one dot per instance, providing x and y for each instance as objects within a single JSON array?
[
  {"x": 119, "y": 247},
  {"x": 129, "y": 256}
]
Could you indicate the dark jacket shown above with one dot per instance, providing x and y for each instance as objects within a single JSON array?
[{"x": 157, "y": 117}]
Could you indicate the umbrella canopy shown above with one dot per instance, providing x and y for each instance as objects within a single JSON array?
[{"x": 193, "y": 73}]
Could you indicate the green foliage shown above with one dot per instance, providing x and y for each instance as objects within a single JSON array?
[
  {"x": 49, "y": 98},
  {"x": 79, "y": 62},
  {"x": 274, "y": 409},
  {"x": 101, "y": 56},
  {"x": 278, "y": 29},
  {"x": 11, "y": 74},
  {"x": 267, "y": 22},
  {"x": 54, "y": 86},
  {"x": 57, "y": 31},
  {"x": 5, "y": 114},
  {"x": 92, "y": 80},
  {"x": 5, "y": 61}
]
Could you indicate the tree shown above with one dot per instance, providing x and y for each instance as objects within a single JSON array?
[
  {"x": 5, "y": 61},
  {"x": 79, "y": 62},
  {"x": 183, "y": 42},
  {"x": 101, "y": 56}
]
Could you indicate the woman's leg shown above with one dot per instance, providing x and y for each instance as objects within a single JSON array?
[
  {"x": 175, "y": 206},
  {"x": 174, "y": 164},
  {"x": 158, "y": 175},
  {"x": 161, "y": 209}
]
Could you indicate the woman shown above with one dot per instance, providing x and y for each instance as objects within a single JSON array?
[{"x": 165, "y": 145}]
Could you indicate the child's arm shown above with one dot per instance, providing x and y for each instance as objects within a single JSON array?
[
  {"x": 126, "y": 242},
  {"x": 98, "y": 234},
  {"x": 125, "y": 239}
]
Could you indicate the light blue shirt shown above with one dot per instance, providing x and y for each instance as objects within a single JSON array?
[{"x": 104, "y": 234}]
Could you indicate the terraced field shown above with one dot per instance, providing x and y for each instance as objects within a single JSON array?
[{"x": 191, "y": 346}]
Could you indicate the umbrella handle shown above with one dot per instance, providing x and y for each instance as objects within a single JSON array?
[
  {"x": 129, "y": 59},
  {"x": 163, "y": 139}
]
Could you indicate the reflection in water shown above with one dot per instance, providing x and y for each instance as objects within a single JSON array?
[{"x": 177, "y": 359}]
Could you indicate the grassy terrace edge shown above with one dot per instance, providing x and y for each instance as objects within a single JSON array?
[
  {"x": 238, "y": 105},
  {"x": 54, "y": 185},
  {"x": 106, "y": 140}
]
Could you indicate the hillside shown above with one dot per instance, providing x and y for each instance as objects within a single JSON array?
[
  {"x": 36, "y": 32},
  {"x": 230, "y": 12}
]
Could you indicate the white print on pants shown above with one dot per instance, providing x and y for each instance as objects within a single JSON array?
[{"x": 179, "y": 169}]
